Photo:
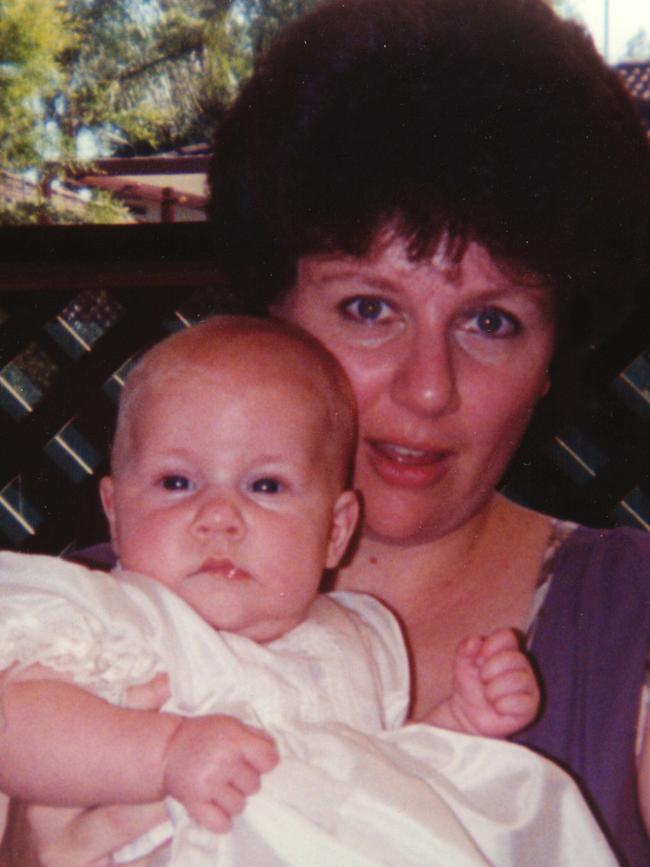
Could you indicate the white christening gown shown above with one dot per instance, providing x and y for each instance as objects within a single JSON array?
[{"x": 355, "y": 786}]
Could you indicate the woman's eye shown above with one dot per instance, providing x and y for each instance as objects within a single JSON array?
[
  {"x": 493, "y": 322},
  {"x": 267, "y": 486},
  {"x": 366, "y": 308},
  {"x": 176, "y": 483}
]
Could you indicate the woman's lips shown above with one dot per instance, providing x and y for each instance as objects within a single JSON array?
[{"x": 407, "y": 466}]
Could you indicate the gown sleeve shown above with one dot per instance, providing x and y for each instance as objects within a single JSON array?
[{"x": 74, "y": 621}]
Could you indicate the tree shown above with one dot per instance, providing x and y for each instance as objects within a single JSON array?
[
  {"x": 156, "y": 74},
  {"x": 130, "y": 75},
  {"x": 146, "y": 75},
  {"x": 121, "y": 76},
  {"x": 33, "y": 35},
  {"x": 266, "y": 18}
]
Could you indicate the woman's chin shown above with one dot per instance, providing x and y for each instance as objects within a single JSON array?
[
  {"x": 399, "y": 519},
  {"x": 399, "y": 532}
]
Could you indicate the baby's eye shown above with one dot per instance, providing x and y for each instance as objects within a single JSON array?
[
  {"x": 176, "y": 483},
  {"x": 267, "y": 485},
  {"x": 493, "y": 322},
  {"x": 366, "y": 308}
]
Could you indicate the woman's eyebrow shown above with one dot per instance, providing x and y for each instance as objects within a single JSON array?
[
  {"x": 496, "y": 286},
  {"x": 541, "y": 295},
  {"x": 368, "y": 277}
]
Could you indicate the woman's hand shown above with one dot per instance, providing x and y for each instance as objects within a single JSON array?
[{"x": 56, "y": 837}]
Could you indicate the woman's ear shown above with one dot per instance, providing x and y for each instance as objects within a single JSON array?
[
  {"x": 344, "y": 519},
  {"x": 106, "y": 493}
]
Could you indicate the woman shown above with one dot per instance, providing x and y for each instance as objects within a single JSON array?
[{"x": 453, "y": 195}]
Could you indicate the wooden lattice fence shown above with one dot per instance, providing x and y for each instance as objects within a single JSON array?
[{"x": 76, "y": 305}]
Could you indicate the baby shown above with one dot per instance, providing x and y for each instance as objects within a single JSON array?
[{"x": 229, "y": 489}]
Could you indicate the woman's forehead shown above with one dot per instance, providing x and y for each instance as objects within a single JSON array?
[{"x": 391, "y": 257}]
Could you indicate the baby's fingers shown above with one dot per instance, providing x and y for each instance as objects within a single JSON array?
[
  {"x": 470, "y": 648},
  {"x": 499, "y": 641},
  {"x": 247, "y": 779},
  {"x": 517, "y": 704},
  {"x": 260, "y": 752},
  {"x": 211, "y": 816},
  {"x": 505, "y": 662},
  {"x": 515, "y": 694},
  {"x": 511, "y": 683}
]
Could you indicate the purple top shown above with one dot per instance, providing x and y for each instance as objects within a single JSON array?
[{"x": 591, "y": 645}]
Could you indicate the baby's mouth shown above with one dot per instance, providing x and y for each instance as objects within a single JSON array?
[{"x": 222, "y": 567}]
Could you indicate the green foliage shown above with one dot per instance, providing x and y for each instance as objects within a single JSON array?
[
  {"x": 150, "y": 75},
  {"x": 101, "y": 208},
  {"x": 131, "y": 76},
  {"x": 33, "y": 35},
  {"x": 135, "y": 75},
  {"x": 268, "y": 17},
  {"x": 41, "y": 211}
]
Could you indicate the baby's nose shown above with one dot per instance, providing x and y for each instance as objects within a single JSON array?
[{"x": 218, "y": 514}]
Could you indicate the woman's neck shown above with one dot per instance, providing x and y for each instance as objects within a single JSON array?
[
  {"x": 399, "y": 571},
  {"x": 471, "y": 581}
]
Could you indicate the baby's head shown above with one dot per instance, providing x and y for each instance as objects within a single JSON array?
[{"x": 229, "y": 474}]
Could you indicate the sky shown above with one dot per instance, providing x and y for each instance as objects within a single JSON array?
[{"x": 626, "y": 17}]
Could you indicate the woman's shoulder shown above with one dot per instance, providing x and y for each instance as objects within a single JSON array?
[
  {"x": 614, "y": 547},
  {"x": 608, "y": 569},
  {"x": 100, "y": 556}
]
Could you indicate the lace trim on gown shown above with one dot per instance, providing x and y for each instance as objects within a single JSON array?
[{"x": 106, "y": 660}]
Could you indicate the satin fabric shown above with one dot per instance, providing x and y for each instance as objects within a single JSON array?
[{"x": 354, "y": 787}]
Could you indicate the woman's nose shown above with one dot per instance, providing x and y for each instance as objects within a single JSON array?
[
  {"x": 218, "y": 514},
  {"x": 425, "y": 377}
]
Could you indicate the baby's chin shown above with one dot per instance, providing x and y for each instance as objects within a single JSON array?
[{"x": 260, "y": 631}]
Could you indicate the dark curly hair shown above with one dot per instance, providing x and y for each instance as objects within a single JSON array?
[{"x": 487, "y": 120}]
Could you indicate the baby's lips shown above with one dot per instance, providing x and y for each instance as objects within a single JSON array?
[{"x": 223, "y": 567}]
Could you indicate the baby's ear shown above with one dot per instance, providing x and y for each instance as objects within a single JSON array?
[
  {"x": 344, "y": 519},
  {"x": 106, "y": 491}
]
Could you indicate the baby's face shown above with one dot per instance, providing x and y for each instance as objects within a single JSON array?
[{"x": 227, "y": 497}]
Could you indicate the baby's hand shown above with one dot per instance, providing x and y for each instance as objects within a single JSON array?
[
  {"x": 495, "y": 689},
  {"x": 212, "y": 764}
]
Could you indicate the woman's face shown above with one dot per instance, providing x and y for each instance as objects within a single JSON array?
[{"x": 447, "y": 364}]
